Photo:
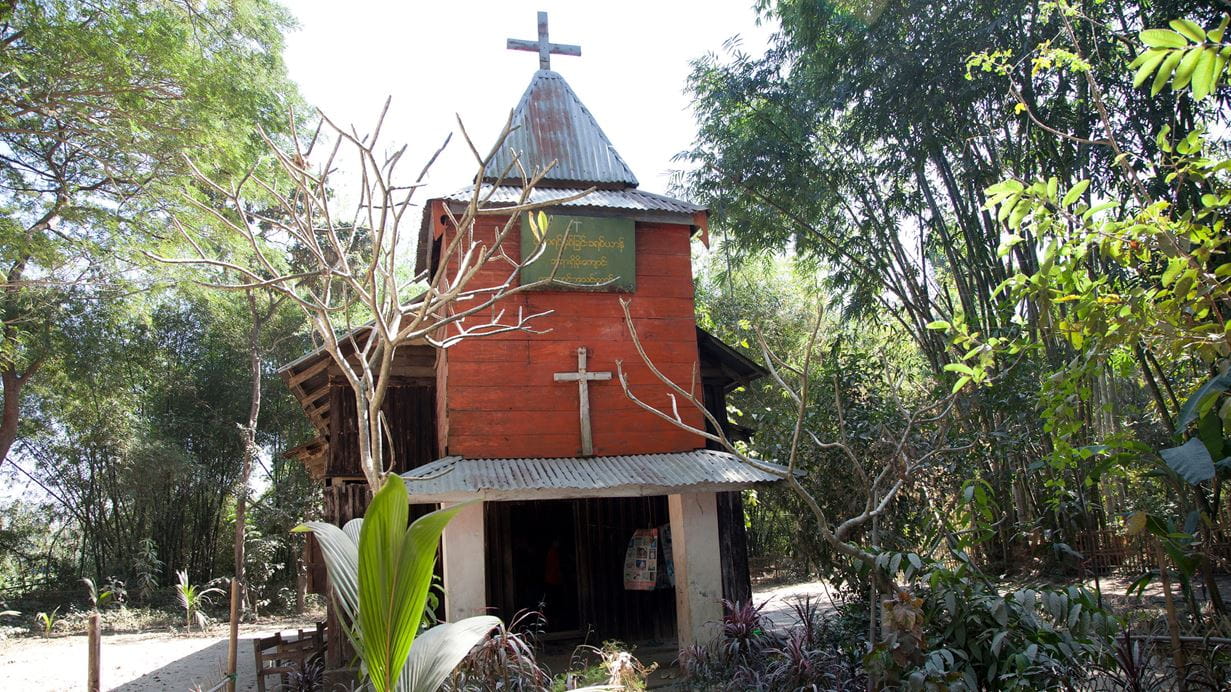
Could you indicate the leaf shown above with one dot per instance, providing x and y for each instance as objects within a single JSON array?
[
  {"x": 1165, "y": 72},
  {"x": 959, "y": 367},
  {"x": 1162, "y": 38},
  {"x": 1140, "y": 584},
  {"x": 1135, "y": 523},
  {"x": 341, "y": 554},
  {"x": 1075, "y": 192},
  {"x": 998, "y": 641},
  {"x": 438, "y": 651},
  {"x": 938, "y": 324},
  {"x": 1152, "y": 59},
  {"x": 1203, "y": 76},
  {"x": 1202, "y": 399},
  {"x": 1190, "y": 460},
  {"x": 1209, "y": 431},
  {"x": 1189, "y": 29},
  {"x": 1184, "y": 73},
  {"x": 395, "y": 573}
]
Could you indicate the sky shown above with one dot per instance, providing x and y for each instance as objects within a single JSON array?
[{"x": 442, "y": 59}]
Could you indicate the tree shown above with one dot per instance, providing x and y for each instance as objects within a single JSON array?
[
  {"x": 862, "y": 143},
  {"x": 98, "y": 103},
  {"x": 345, "y": 270},
  {"x": 1137, "y": 267}
]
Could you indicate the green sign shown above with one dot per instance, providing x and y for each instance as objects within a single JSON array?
[{"x": 587, "y": 253}]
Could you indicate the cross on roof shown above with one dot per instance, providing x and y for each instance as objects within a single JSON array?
[
  {"x": 542, "y": 46},
  {"x": 583, "y": 378}
]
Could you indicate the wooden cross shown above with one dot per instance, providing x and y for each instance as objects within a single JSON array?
[
  {"x": 583, "y": 377},
  {"x": 542, "y": 46}
]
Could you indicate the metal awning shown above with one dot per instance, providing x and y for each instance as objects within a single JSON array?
[{"x": 455, "y": 479}]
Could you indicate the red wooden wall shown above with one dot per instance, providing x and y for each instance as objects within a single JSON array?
[{"x": 499, "y": 395}]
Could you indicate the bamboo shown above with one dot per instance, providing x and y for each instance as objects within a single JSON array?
[
  {"x": 1173, "y": 622},
  {"x": 93, "y": 676}
]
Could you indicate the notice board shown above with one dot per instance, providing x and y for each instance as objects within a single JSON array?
[{"x": 588, "y": 253}]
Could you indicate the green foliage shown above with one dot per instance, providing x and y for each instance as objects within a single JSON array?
[
  {"x": 381, "y": 571},
  {"x": 193, "y": 598},
  {"x": 47, "y": 621},
  {"x": 146, "y": 569},
  {"x": 1187, "y": 56},
  {"x": 862, "y": 362},
  {"x": 1027, "y": 639},
  {"x": 133, "y": 432}
]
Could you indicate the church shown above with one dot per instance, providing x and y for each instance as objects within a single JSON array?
[{"x": 611, "y": 521}]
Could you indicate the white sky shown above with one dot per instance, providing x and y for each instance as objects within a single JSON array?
[{"x": 438, "y": 59}]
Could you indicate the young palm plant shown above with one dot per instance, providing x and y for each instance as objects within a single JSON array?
[
  {"x": 380, "y": 571},
  {"x": 193, "y": 598}
]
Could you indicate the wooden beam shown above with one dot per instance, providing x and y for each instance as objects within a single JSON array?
[{"x": 311, "y": 370}]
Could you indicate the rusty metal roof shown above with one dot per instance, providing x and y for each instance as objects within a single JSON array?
[
  {"x": 631, "y": 198},
  {"x": 552, "y": 124},
  {"x": 454, "y": 479}
]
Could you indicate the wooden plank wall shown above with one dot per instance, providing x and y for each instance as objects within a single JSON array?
[
  {"x": 502, "y": 400},
  {"x": 733, "y": 546},
  {"x": 411, "y": 412},
  {"x": 603, "y": 528}
]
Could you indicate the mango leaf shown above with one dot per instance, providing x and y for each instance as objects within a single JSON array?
[
  {"x": 1162, "y": 38},
  {"x": 1204, "y": 397},
  {"x": 1189, "y": 29},
  {"x": 1191, "y": 461}
]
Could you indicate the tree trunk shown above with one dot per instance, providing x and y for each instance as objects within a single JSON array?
[{"x": 241, "y": 493}]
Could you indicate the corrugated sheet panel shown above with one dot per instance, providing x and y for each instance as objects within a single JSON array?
[
  {"x": 455, "y": 478},
  {"x": 632, "y": 199},
  {"x": 553, "y": 125}
]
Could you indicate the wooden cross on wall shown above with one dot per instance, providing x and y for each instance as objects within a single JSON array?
[
  {"x": 543, "y": 47},
  {"x": 583, "y": 378}
]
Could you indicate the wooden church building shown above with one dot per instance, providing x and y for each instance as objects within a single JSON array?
[{"x": 611, "y": 521}]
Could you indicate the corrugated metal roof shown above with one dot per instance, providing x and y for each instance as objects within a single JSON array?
[
  {"x": 552, "y": 124},
  {"x": 454, "y": 479},
  {"x": 633, "y": 199}
]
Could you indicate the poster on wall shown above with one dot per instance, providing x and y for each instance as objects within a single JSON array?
[{"x": 641, "y": 561}]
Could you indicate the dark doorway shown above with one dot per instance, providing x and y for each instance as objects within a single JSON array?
[{"x": 538, "y": 562}]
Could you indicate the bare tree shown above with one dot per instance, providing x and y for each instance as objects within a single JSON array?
[
  {"x": 347, "y": 269},
  {"x": 921, "y": 439}
]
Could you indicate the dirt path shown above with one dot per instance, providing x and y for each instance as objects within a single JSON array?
[
  {"x": 132, "y": 662},
  {"x": 780, "y": 600}
]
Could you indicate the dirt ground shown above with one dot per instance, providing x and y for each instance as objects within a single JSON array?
[
  {"x": 165, "y": 661},
  {"x": 133, "y": 662}
]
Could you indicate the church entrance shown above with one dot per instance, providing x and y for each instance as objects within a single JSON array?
[
  {"x": 537, "y": 556},
  {"x": 565, "y": 558}
]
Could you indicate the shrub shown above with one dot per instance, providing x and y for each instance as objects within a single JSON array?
[
  {"x": 750, "y": 656},
  {"x": 973, "y": 634}
]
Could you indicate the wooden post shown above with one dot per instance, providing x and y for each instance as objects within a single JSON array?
[
  {"x": 233, "y": 638},
  {"x": 93, "y": 675}
]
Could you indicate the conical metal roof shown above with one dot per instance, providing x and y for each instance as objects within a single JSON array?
[{"x": 552, "y": 124}]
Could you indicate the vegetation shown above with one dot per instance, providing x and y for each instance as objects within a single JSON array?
[
  {"x": 381, "y": 571},
  {"x": 981, "y": 246}
]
